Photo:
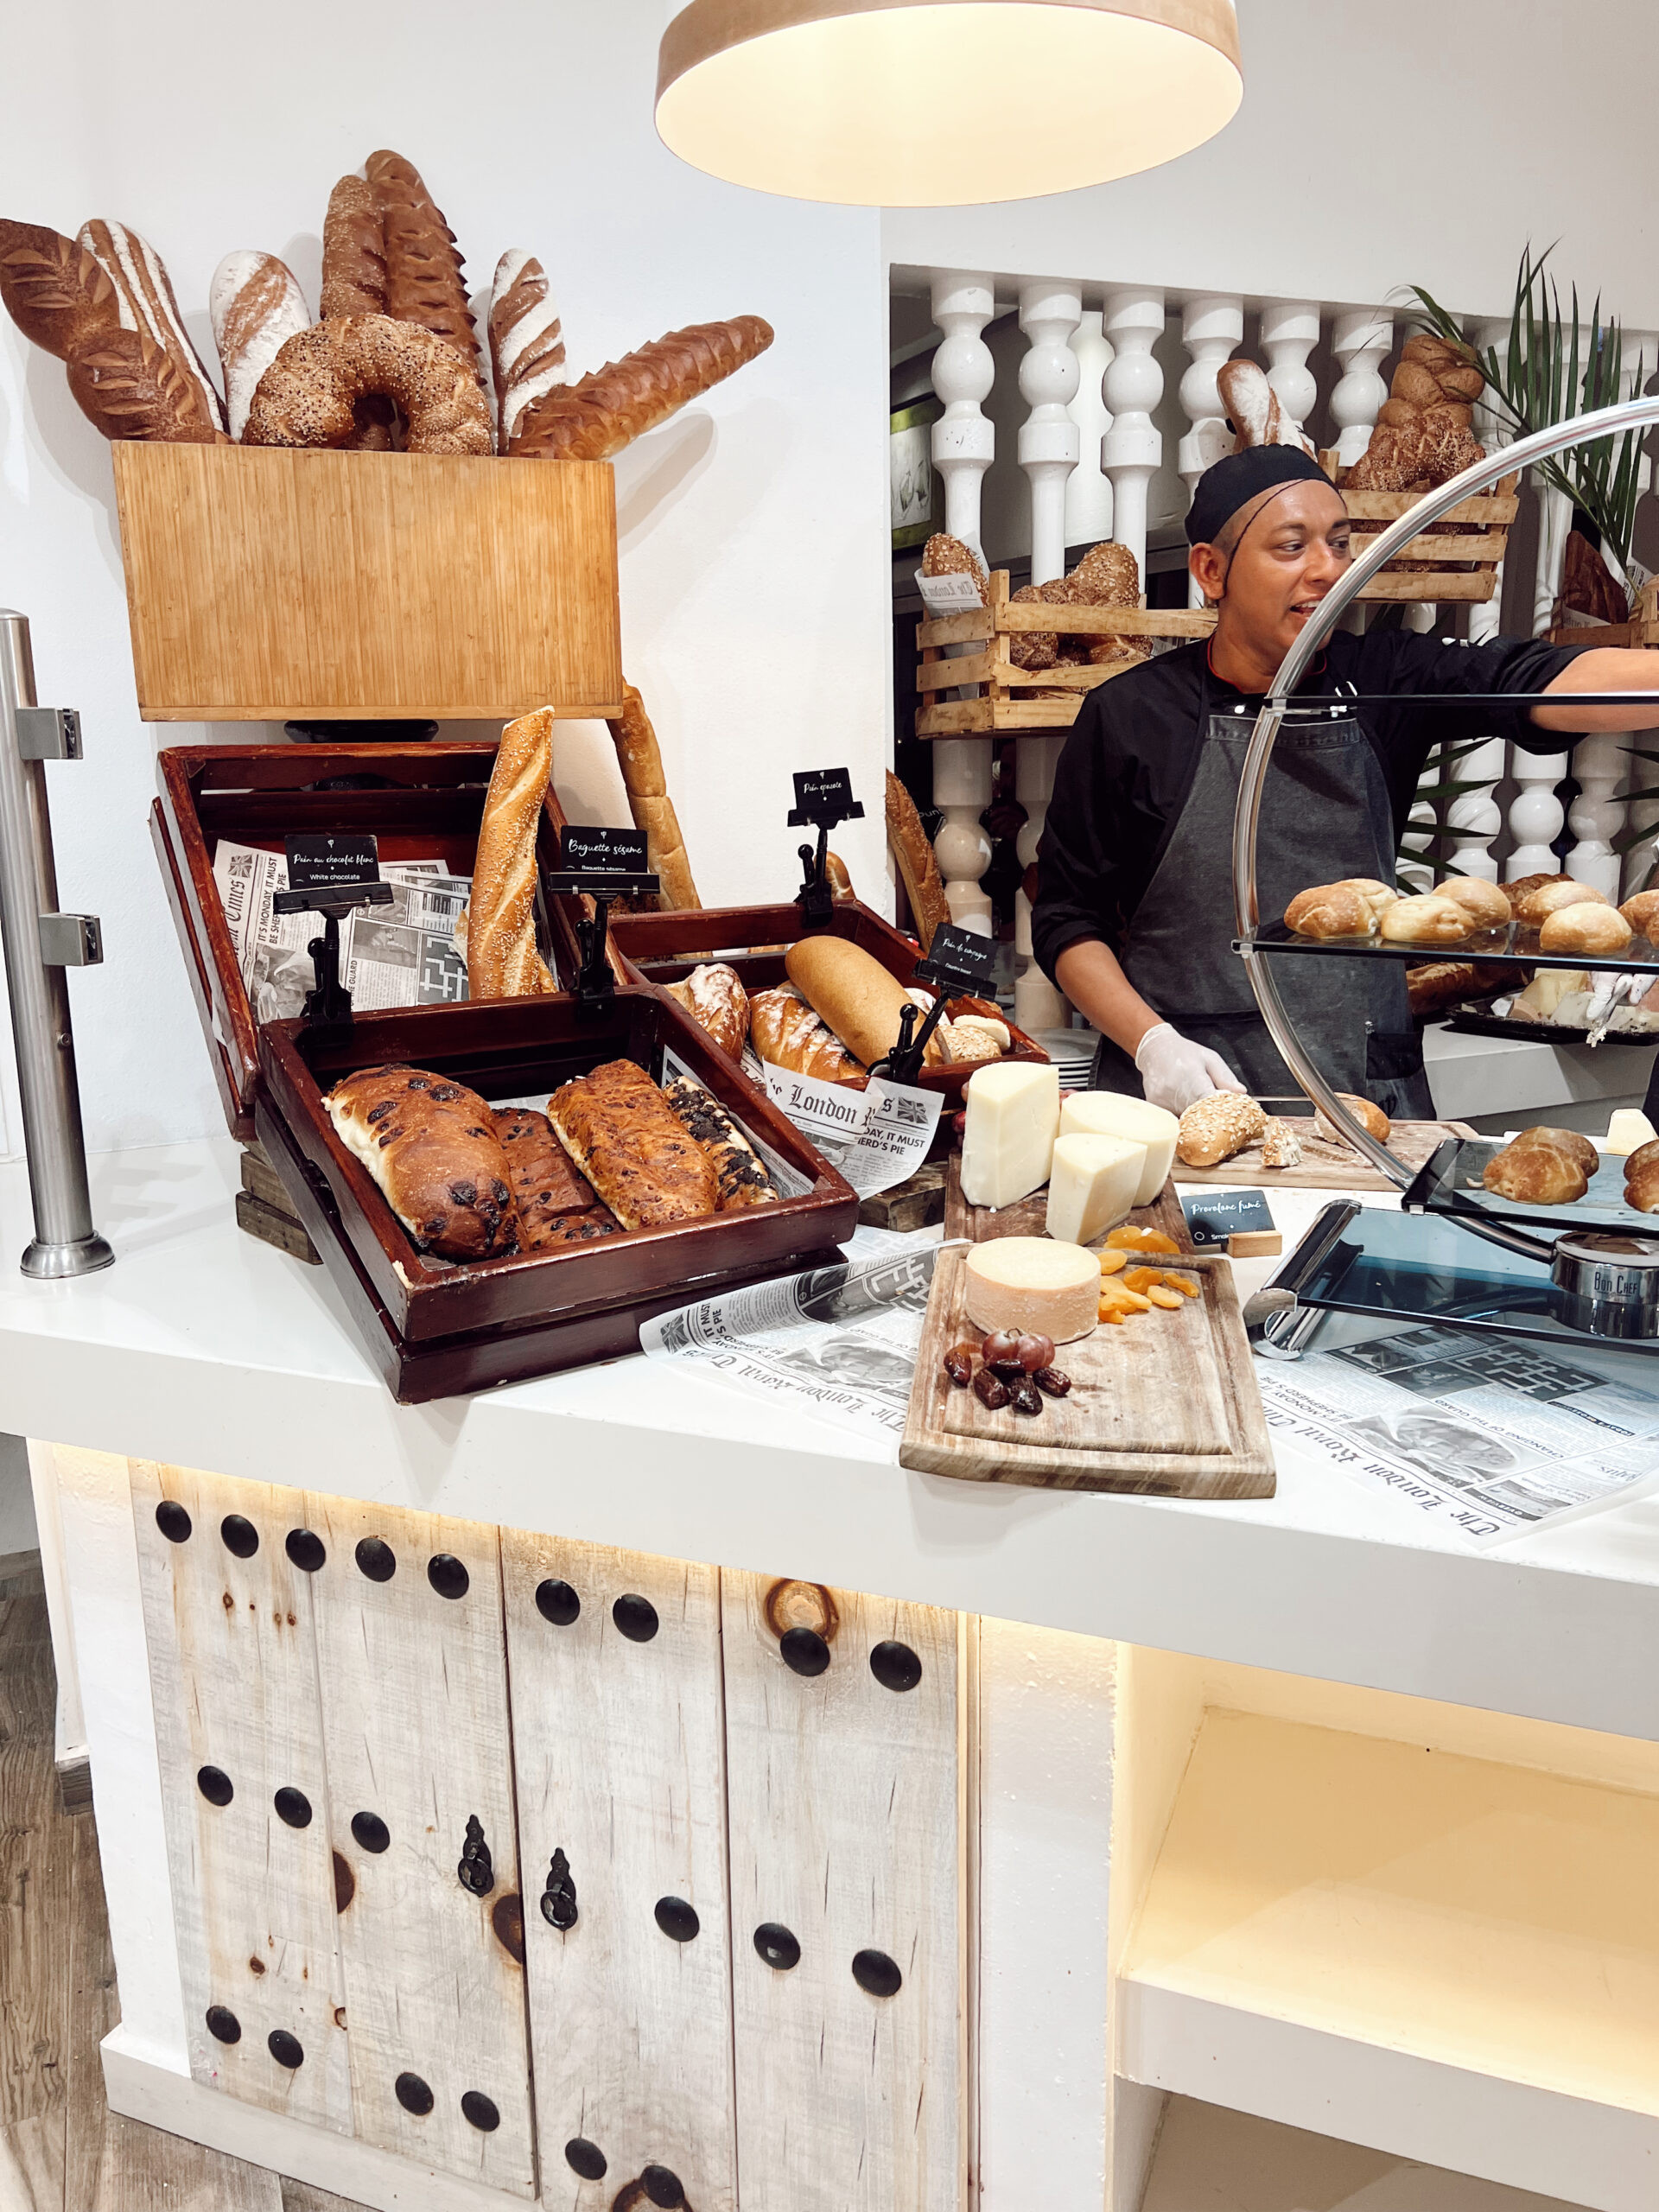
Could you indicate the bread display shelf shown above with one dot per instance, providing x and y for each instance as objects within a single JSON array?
[
  {"x": 664, "y": 948},
  {"x": 434, "y": 1328},
  {"x": 268, "y": 585},
  {"x": 1166, "y": 1404},
  {"x": 1641, "y": 629},
  {"x": 1449, "y": 1182},
  {"x": 1461, "y": 555},
  {"x": 425, "y": 801},
  {"x": 1513, "y": 946}
]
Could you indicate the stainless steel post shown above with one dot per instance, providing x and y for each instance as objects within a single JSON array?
[{"x": 38, "y": 943}]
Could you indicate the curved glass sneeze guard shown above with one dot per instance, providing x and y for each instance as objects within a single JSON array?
[{"x": 1253, "y": 944}]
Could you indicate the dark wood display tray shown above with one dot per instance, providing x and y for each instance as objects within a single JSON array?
[
  {"x": 425, "y": 801},
  {"x": 408, "y": 1304},
  {"x": 664, "y": 948}
]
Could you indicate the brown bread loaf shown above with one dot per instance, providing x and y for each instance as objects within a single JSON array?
[
  {"x": 787, "y": 1033},
  {"x": 131, "y": 389},
  {"x": 1535, "y": 1174},
  {"x": 1371, "y": 1117},
  {"x": 310, "y": 394},
  {"x": 353, "y": 252},
  {"x": 54, "y": 289},
  {"x": 432, "y": 1148},
  {"x": 1213, "y": 1129},
  {"x": 600, "y": 414},
  {"x": 526, "y": 346},
  {"x": 850, "y": 989},
  {"x": 424, "y": 283},
  {"x": 713, "y": 994},
  {"x": 917, "y": 868},
  {"x": 634, "y": 1148},
  {"x": 148, "y": 306},
  {"x": 256, "y": 307}
]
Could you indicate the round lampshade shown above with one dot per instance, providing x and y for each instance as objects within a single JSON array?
[{"x": 941, "y": 102}]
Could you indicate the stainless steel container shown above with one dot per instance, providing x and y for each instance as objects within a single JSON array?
[{"x": 1607, "y": 1283}]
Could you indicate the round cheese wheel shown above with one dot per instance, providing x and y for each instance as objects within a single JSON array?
[{"x": 1033, "y": 1285}]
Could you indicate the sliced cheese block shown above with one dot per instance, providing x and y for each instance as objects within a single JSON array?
[
  {"x": 1110, "y": 1114},
  {"x": 1629, "y": 1127},
  {"x": 1014, "y": 1111},
  {"x": 1091, "y": 1185},
  {"x": 1032, "y": 1284}
]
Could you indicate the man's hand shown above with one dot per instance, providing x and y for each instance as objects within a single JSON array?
[{"x": 1174, "y": 1071}]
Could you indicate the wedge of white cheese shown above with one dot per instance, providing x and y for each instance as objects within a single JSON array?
[
  {"x": 1029, "y": 1284},
  {"x": 1110, "y": 1114},
  {"x": 1014, "y": 1111},
  {"x": 1091, "y": 1185},
  {"x": 1629, "y": 1127}
]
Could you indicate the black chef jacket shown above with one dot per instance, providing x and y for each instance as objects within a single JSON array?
[{"x": 1128, "y": 763}]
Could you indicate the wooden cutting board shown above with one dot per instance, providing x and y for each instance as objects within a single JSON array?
[
  {"x": 1166, "y": 1403},
  {"x": 1326, "y": 1166},
  {"x": 1027, "y": 1216}
]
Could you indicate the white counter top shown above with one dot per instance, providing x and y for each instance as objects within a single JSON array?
[{"x": 204, "y": 1348}]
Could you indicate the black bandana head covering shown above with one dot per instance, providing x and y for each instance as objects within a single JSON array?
[{"x": 1237, "y": 479}]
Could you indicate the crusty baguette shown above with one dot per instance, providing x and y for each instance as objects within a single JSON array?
[
  {"x": 145, "y": 291},
  {"x": 432, "y": 1148},
  {"x": 835, "y": 870},
  {"x": 526, "y": 346},
  {"x": 353, "y": 252},
  {"x": 913, "y": 856},
  {"x": 740, "y": 1171},
  {"x": 597, "y": 416},
  {"x": 786, "y": 1033},
  {"x": 860, "y": 999},
  {"x": 634, "y": 1148},
  {"x": 54, "y": 289},
  {"x": 502, "y": 962},
  {"x": 713, "y": 994},
  {"x": 640, "y": 760}
]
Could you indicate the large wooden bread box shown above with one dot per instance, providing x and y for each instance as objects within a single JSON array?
[
  {"x": 422, "y": 802},
  {"x": 434, "y": 1328},
  {"x": 664, "y": 948},
  {"x": 271, "y": 586}
]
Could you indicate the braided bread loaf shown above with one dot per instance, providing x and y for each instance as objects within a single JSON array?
[
  {"x": 600, "y": 414},
  {"x": 1422, "y": 437}
]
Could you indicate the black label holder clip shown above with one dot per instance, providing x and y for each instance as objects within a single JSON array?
[
  {"x": 329, "y": 1003},
  {"x": 595, "y": 980},
  {"x": 958, "y": 962},
  {"x": 823, "y": 797}
]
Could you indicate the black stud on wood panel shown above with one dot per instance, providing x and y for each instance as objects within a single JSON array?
[
  {"x": 215, "y": 1785},
  {"x": 635, "y": 1616},
  {"x": 371, "y": 1832},
  {"x": 777, "y": 1945},
  {"x": 805, "y": 1651},
  {"x": 414, "y": 2094},
  {"x": 306, "y": 1549},
  {"x": 662, "y": 2186},
  {"x": 413, "y": 1693},
  {"x": 230, "y": 1640},
  {"x": 620, "y": 1770},
  {"x": 223, "y": 2024},
  {"x": 895, "y": 1666},
  {"x": 557, "y": 1602},
  {"x": 586, "y": 2159},
  {"x": 480, "y": 2111},
  {"x": 376, "y": 1558},
  {"x": 172, "y": 1521},
  {"x": 876, "y": 1973},
  {"x": 286, "y": 2049}
]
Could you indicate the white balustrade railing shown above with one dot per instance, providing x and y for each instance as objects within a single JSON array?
[{"x": 1091, "y": 446}]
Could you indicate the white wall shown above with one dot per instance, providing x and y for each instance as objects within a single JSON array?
[
  {"x": 754, "y": 554},
  {"x": 1420, "y": 142}
]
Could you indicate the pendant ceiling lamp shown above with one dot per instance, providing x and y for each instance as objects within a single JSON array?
[{"x": 943, "y": 103}]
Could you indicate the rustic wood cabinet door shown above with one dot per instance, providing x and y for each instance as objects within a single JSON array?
[
  {"x": 845, "y": 1777},
  {"x": 614, "y": 1658},
  {"x": 417, "y": 1744},
  {"x": 233, "y": 1680}
]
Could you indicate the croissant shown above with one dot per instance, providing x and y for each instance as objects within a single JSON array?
[{"x": 600, "y": 414}]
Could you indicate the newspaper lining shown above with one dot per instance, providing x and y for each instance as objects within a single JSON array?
[
  {"x": 876, "y": 1137},
  {"x": 1487, "y": 1440},
  {"x": 400, "y": 955},
  {"x": 839, "y": 1342}
]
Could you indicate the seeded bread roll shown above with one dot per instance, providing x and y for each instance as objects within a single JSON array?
[
  {"x": 1584, "y": 927},
  {"x": 860, "y": 999},
  {"x": 1213, "y": 1129}
]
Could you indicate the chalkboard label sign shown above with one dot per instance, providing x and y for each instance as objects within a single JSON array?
[
  {"x": 1219, "y": 1215},
  {"x": 823, "y": 797},
  {"x": 596, "y": 850},
  {"x": 318, "y": 862},
  {"x": 959, "y": 960}
]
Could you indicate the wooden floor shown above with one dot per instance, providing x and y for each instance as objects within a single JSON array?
[{"x": 60, "y": 2148}]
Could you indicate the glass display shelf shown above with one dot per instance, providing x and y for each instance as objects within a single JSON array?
[
  {"x": 1449, "y": 1182},
  {"x": 1511, "y": 946},
  {"x": 1463, "y": 1023},
  {"x": 1395, "y": 1267}
]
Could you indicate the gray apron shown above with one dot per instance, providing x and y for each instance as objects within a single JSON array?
[{"x": 1324, "y": 814}]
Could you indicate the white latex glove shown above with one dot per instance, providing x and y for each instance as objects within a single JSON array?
[{"x": 1174, "y": 1071}]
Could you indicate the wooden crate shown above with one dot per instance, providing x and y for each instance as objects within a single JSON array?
[
  {"x": 264, "y": 584},
  {"x": 1005, "y": 698},
  {"x": 1464, "y": 548},
  {"x": 1641, "y": 629}
]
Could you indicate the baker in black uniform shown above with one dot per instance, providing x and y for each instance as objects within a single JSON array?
[{"x": 1134, "y": 917}]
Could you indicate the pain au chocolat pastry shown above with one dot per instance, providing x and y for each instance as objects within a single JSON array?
[
  {"x": 432, "y": 1145},
  {"x": 557, "y": 1205},
  {"x": 739, "y": 1169},
  {"x": 634, "y": 1148}
]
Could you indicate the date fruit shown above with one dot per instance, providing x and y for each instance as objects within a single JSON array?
[
  {"x": 989, "y": 1389},
  {"x": 1026, "y": 1397},
  {"x": 1035, "y": 1352},
  {"x": 1000, "y": 1352},
  {"x": 1052, "y": 1382},
  {"x": 959, "y": 1365}
]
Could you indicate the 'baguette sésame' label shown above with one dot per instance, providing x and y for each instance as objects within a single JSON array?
[{"x": 599, "y": 851}]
